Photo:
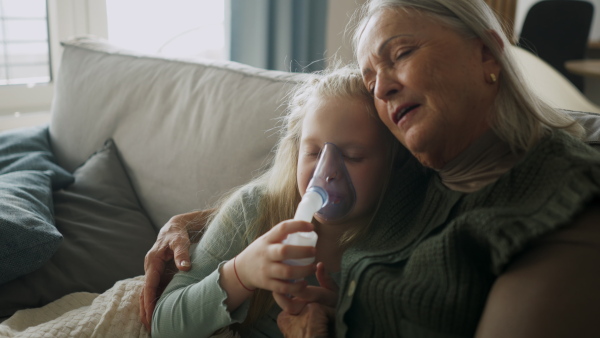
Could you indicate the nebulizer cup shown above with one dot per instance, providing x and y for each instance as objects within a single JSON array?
[{"x": 330, "y": 194}]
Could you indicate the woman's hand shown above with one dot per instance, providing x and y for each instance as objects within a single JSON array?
[
  {"x": 315, "y": 321},
  {"x": 325, "y": 294},
  {"x": 309, "y": 313},
  {"x": 169, "y": 253}
]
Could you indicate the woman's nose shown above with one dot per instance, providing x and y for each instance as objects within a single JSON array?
[{"x": 387, "y": 85}]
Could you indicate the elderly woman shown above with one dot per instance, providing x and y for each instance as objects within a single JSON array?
[
  {"x": 504, "y": 240},
  {"x": 491, "y": 228}
]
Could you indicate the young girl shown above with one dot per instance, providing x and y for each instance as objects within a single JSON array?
[{"x": 239, "y": 261}]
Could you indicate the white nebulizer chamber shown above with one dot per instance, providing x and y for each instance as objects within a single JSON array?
[
  {"x": 330, "y": 193},
  {"x": 312, "y": 201}
]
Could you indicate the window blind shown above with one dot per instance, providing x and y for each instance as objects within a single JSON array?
[{"x": 24, "y": 42}]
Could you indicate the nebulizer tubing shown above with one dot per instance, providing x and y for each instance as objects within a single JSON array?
[{"x": 330, "y": 178}]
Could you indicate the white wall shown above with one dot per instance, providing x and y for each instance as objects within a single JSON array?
[{"x": 338, "y": 41}]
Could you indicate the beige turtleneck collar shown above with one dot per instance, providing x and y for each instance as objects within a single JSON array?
[{"x": 482, "y": 163}]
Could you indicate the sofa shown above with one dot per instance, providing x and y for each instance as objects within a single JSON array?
[{"x": 133, "y": 140}]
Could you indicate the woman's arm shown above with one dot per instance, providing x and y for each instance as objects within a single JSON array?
[
  {"x": 553, "y": 288},
  {"x": 192, "y": 303},
  {"x": 169, "y": 253}
]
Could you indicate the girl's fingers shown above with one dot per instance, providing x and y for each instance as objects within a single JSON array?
[
  {"x": 261, "y": 263},
  {"x": 280, "y": 232},
  {"x": 287, "y": 287},
  {"x": 283, "y": 271},
  {"x": 291, "y": 305},
  {"x": 316, "y": 294},
  {"x": 280, "y": 252},
  {"x": 325, "y": 279},
  {"x": 326, "y": 294}
]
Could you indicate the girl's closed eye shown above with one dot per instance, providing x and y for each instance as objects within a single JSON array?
[
  {"x": 353, "y": 158},
  {"x": 312, "y": 152}
]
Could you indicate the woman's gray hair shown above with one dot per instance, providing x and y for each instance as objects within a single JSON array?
[{"x": 520, "y": 117}]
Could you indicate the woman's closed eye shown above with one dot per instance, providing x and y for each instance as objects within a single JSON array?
[{"x": 403, "y": 53}]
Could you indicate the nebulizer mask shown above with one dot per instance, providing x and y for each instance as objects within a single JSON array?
[{"x": 330, "y": 194}]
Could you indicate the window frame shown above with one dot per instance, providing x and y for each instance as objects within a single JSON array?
[{"x": 66, "y": 18}]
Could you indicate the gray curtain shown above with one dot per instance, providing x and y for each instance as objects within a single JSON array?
[{"x": 284, "y": 35}]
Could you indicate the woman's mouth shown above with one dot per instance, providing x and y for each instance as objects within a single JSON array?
[{"x": 403, "y": 111}]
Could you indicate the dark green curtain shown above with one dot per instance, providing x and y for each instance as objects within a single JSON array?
[{"x": 284, "y": 35}]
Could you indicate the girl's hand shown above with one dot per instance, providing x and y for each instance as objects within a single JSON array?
[
  {"x": 326, "y": 294},
  {"x": 260, "y": 265}
]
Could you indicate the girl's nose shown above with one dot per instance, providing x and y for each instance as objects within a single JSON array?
[{"x": 331, "y": 177}]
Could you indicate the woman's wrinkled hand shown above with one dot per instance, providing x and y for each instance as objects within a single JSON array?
[
  {"x": 315, "y": 321},
  {"x": 310, "y": 312},
  {"x": 169, "y": 253}
]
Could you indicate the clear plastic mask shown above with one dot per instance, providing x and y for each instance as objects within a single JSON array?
[{"x": 332, "y": 176}]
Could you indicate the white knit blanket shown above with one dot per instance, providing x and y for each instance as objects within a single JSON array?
[{"x": 115, "y": 313}]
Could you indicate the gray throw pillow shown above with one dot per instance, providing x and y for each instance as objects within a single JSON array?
[
  {"x": 29, "y": 149},
  {"x": 106, "y": 236},
  {"x": 28, "y": 237}
]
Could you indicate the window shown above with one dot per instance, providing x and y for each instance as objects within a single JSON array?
[
  {"x": 29, "y": 56},
  {"x": 24, "y": 49},
  {"x": 183, "y": 28}
]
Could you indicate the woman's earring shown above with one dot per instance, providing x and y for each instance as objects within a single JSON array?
[{"x": 493, "y": 77}]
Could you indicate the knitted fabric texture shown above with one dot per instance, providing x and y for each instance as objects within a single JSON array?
[{"x": 427, "y": 268}]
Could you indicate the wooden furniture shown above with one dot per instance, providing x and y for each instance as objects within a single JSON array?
[
  {"x": 505, "y": 10},
  {"x": 594, "y": 45},
  {"x": 586, "y": 67}
]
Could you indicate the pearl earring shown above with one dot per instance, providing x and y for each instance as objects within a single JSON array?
[{"x": 493, "y": 77}]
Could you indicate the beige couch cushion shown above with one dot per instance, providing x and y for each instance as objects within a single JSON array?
[{"x": 187, "y": 130}]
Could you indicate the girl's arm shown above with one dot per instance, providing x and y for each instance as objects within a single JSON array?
[
  {"x": 193, "y": 302},
  {"x": 211, "y": 296},
  {"x": 552, "y": 289}
]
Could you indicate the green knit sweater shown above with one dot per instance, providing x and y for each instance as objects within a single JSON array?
[{"x": 428, "y": 263}]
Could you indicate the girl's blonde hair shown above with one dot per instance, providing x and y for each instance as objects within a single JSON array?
[
  {"x": 278, "y": 185},
  {"x": 519, "y": 117}
]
